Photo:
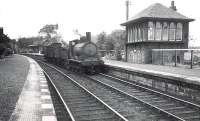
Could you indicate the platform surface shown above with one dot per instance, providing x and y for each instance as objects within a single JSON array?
[
  {"x": 181, "y": 74},
  {"x": 34, "y": 103},
  {"x": 13, "y": 73}
]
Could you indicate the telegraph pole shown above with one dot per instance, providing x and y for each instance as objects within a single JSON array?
[
  {"x": 127, "y": 15},
  {"x": 127, "y": 9}
]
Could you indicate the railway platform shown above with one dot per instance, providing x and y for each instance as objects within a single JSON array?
[
  {"x": 27, "y": 91},
  {"x": 190, "y": 76},
  {"x": 13, "y": 73}
]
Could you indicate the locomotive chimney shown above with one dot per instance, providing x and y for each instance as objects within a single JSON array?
[
  {"x": 173, "y": 7},
  {"x": 88, "y": 36},
  {"x": 1, "y": 30}
]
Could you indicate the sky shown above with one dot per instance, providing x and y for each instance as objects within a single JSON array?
[{"x": 24, "y": 18}]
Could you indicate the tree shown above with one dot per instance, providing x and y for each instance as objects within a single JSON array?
[
  {"x": 5, "y": 42},
  {"x": 50, "y": 33},
  {"x": 101, "y": 41},
  {"x": 109, "y": 44},
  {"x": 24, "y": 42},
  {"x": 118, "y": 37},
  {"x": 113, "y": 41},
  {"x": 193, "y": 42},
  {"x": 48, "y": 30}
]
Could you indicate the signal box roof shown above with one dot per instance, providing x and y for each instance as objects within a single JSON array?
[{"x": 157, "y": 11}]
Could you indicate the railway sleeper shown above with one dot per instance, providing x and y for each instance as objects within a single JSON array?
[
  {"x": 72, "y": 91},
  {"x": 95, "y": 117},
  {"x": 84, "y": 105},
  {"x": 157, "y": 117},
  {"x": 90, "y": 112},
  {"x": 175, "y": 109},
  {"x": 92, "y": 108},
  {"x": 193, "y": 118},
  {"x": 140, "y": 108},
  {"x": 167, "y": 105},
  {"x": 142, "y": 95},
  {"x": 158, "y": 102},
  {"x": 107, "y": 119},
  {"x": 147, "y": 97},
  {"x": 139, "y": 93},
  {"x": 134, "y": 91},
  {"x": 76, "y": 96},
  {"x": 134, "y": 117},
  {"x": 79, "y": 99},
  {"x": 81, "y": 103},
  {"x": 151, "y": 99},
  {"x": 185, "y": 114},
  {"x": 114, "y": 98},
  {"x": 155, "y": 102}
]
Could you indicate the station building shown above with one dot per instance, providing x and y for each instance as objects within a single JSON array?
[{"x": 156, "y": 27}]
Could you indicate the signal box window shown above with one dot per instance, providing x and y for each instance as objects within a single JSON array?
[
  {"x": 172, "y": 30},
  {"x": 179, "y": 32},
  {"x": 150, "y": 31},
  {"x": 158, "y": 31}
]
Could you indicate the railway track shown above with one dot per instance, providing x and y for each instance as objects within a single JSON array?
[
  {"x": 132, "y": 110},
  {"x": 61, "y": 109},
  {"x": 172, "y": 106},
  {"x": 80, "y": 103},
  {"x": 160, "y": 106}
]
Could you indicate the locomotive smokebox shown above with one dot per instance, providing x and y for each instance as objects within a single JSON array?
[{"x": 88, "y": 36}]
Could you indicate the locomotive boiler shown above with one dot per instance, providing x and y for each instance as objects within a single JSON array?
[{"x": 81, "y": 55}]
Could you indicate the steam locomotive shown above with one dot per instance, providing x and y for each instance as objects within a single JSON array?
[{"x": 81, "y": 55}]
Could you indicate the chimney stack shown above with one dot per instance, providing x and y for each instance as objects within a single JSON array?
[
  {"x": 173, "y": 7},
  {"x": 1, "y": 30},
  {"x": 88, "y": 36}
]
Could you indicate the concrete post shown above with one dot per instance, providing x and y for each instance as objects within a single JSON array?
[
  {"x": 191, "y": 64},
  {"x": 175, "y": 58},
  {"x": 162, "y": 58}
]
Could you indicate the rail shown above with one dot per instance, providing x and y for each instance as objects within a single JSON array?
[
  {"x": 196, "y": 106},
  {"x": 146, "y": 103},
  {"x": 65, "y": 105},
  {"x": 154, "y": 91},
  {"x": 102, "y": 102}
]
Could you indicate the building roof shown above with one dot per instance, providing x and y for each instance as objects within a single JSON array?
[{"x": 157, "y": 11}]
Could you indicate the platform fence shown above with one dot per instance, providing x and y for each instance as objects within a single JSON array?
[
  {"x": 112, "y": 54},
  {"x": 187, "y": 58}
]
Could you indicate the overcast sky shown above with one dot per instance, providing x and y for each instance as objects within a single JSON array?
[{"x": 25, "y": 17}]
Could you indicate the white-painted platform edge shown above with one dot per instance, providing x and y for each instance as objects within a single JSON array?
[{"x": 30, "y": 100}]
